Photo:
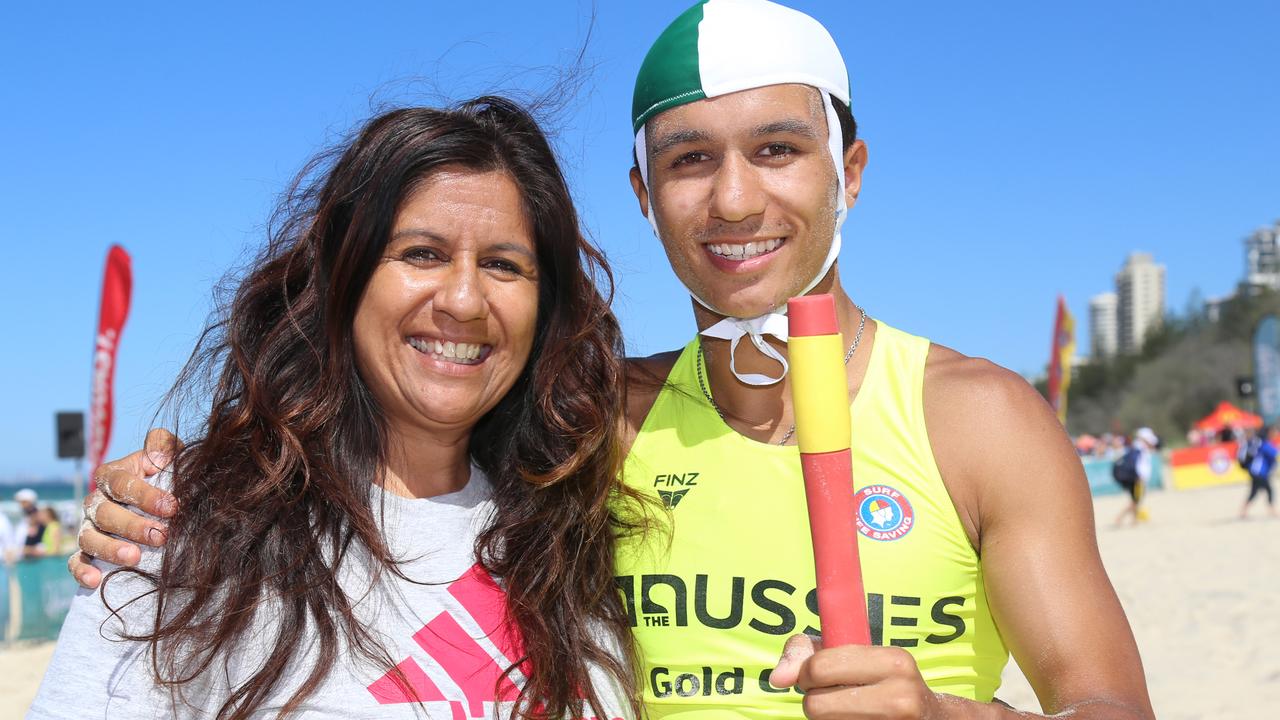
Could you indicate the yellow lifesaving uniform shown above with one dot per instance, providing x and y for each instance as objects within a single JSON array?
[{"x": 727, "y": 576}]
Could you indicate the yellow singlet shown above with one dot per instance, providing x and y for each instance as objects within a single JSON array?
[{"x": 716, "y": 589}]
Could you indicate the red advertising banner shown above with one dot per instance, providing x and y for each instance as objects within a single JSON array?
[{"x": 117, "y": 287}]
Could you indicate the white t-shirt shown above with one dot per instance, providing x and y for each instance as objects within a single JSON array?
[
  {"x": 1144, "y": 463},
  {"x": 447, "y": 635}
]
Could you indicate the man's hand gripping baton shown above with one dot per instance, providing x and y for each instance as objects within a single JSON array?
[{"x": 820, "y": 391}]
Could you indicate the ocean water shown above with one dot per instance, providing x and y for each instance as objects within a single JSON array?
[{"x": 49, "y": 491}]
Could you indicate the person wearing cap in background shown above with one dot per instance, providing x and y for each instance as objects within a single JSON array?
[
  {"x": 747, "y": 163},
  {"x": 30, "y": 530},
  {"x": 1133, "y": 471},
  {"x": 26, "y": 499}
]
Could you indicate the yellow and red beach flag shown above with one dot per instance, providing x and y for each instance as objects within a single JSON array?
[{"x": 1064, "y": 348}]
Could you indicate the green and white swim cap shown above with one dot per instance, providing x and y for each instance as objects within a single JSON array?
[{"x": 719, "y": 47}]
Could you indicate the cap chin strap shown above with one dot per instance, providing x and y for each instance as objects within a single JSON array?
[
  {"x": 733, "y": 330},
  {"x": 773, "y": 322}
]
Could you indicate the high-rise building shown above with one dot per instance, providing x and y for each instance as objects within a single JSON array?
[
  {"x": 1139, "y": 301},
  {"x": 1262, "y": 258},
  {"x": 1103, "y": 328}
]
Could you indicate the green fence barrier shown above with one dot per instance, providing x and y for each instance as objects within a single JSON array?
[
  {"x": 35, "y": 596},
  {"x": 1101, "y": 483}
]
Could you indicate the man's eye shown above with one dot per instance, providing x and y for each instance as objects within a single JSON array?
[
  {"x": 777, "y": 149},
  {"x": 689, "y": 158}
]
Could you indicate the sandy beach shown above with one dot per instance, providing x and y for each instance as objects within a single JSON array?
[
  {"x": 1201, "y": 588},
  {"x": 21, "y": 668}
]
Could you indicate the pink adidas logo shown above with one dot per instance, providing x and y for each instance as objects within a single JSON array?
[{"x": 469, "y": 665}]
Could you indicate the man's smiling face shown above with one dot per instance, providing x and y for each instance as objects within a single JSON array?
[{"x": 745, "y": 190}]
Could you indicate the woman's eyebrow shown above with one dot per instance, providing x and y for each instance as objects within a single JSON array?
[
  {"x": 512, "y": 247},
  {"x": 416, "y": 232},
  {"x": 494, "y": 247}
]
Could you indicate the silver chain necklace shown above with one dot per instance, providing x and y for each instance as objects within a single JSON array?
[{"x": 702, "y": 382}]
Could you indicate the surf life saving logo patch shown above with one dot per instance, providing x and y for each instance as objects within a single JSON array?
[{"x": 884, "y": 513}]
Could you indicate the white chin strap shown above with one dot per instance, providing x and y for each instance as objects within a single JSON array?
[
  {"x": 774, "y": 322},
  {"x": 733, "y": 330}
]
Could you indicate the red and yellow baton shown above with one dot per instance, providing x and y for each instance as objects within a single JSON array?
[{"x": 820, "y": 391}]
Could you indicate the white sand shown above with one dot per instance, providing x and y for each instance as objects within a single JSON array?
[
  {"x": 1202, "y": 591},
  {"x": 21, "y": 668}
]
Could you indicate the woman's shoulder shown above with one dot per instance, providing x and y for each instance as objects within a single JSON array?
[{"x": 97, "y": 665}]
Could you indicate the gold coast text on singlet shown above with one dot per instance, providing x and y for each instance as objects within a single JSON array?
[{"x": 716, "y": 589}]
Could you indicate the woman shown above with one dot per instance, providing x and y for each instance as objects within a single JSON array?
[
  {"x": 33, "y": 544},
  {"x": 51, "y": 541},
  {"x": 414, "y": 392}
]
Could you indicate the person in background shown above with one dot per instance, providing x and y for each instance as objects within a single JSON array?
[
  {"x": 1258, "y": 457},
  {"x": 30, "y": 531},
  {"x": 51, "y": 542},
  {"x": 33, "y": 541},
  {"x": 1133, "y": 472},
  {"x": 26, "y": 499}
]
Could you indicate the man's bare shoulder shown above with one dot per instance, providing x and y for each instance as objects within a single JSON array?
[
  {"x": 993, "y": 436},
  {"x": 645, "y": 378},
  {"x": 976, "y": 389}
]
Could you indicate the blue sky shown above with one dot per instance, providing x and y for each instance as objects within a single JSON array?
[{"x": 1018, "y": 150}]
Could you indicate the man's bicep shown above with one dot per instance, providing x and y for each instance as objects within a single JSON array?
[{"x": 1049, "y": 592}]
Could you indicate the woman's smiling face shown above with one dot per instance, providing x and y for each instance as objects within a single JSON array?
[{"x": 446, "y": 324}]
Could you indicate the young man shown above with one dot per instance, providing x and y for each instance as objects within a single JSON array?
[{"x": 747, "y": 163}]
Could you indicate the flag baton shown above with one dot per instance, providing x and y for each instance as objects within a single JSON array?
[{"x": 820, "y": 392}]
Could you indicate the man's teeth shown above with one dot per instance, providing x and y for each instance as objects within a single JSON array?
[
  {"x": 456, "y": 351},
  {"x": 747, "y": 251}
]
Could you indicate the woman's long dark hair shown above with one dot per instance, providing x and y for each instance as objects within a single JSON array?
[{"x": 276, "y": 492}]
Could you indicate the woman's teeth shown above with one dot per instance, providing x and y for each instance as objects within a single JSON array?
[
  {"x": 745, "y": 251},
  {"x": 459, "y": 352}
]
